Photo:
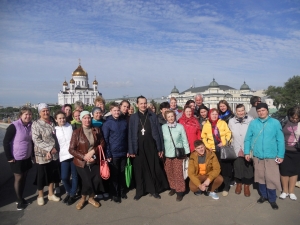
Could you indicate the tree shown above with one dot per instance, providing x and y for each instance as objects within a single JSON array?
[{"x": 287, "y": 96}]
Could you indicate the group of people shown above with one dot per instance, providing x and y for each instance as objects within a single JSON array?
[{"x": 68, "y": 147}]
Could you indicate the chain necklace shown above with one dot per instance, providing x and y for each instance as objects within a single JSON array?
[{"x": 143, "y": 125}]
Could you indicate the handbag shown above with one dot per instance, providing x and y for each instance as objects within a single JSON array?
[
  {"x": 179, "y": 152},
  {"x": 227, "y": 152},
  {"x": 128, "y": 172},
  {"x": 185, "y": 167},
  {"x": 104, "y": 167}
]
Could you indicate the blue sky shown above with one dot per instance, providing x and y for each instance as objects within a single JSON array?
[{"x": 145, "y": 47}]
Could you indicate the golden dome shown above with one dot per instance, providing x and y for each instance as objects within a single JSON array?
[
  {"x": 79, "y": 71},
  {"x": 65, "y": 83},
  {"x": 95, "y": 82},
  {"x": 72, "y": 81}
]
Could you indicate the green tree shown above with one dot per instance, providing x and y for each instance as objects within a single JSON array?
[{"x": 287, "y": 96}]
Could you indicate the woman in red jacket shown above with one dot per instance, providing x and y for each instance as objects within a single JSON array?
[{"x": 191, "y": 126}]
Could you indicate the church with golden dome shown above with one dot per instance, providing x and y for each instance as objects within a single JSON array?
[{"x": 78, "y": 89}]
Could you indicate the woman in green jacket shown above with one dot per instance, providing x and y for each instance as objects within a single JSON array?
[{"x": 173, "y": 166}]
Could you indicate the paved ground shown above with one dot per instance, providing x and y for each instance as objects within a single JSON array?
[{"x": 232, "y": 209}]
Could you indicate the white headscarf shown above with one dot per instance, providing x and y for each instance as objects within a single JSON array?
[{"x": 42, "y": 106}]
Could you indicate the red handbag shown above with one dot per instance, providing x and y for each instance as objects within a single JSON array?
[{"x": 104, "y": 167}]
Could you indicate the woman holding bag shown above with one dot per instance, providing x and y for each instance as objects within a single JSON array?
[
  {"x": 84, "y": 148},
  {"x": 174, "y": 137},
  {"x": 215, "y": 134},
  {"x": 243, "y": 170}
]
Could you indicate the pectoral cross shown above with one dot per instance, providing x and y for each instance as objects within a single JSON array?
[{"x": 143, "y": 131}]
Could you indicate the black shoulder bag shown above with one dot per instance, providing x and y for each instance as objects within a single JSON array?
[{"x": 179, "y": 152}]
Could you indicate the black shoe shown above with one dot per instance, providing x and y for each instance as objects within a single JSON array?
[
  {"x": 172, "y": 192},
  {"x": 198, "y": 193},
  {"x": 71, "y": 200},
  {"x": 262, "y": 199},
  {"x": 24, "y": 202},
  {"x": 136, "y": 198},
  {"x": 179, "y": 197},
  {"x": 157, "y": 196},
  {"x": 123, "y": 196},
  {"x": 274, "y": 205},
  {"x": 20, "y": 206},
  {"x": 116, "y": 199},
  {"x": 65, "y": 200}
]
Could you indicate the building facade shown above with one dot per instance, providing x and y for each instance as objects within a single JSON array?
[
  {"x": 213, "y": 93},
  {"x": 78, "y": 89}
]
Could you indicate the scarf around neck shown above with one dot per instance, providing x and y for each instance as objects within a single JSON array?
[
  {"x": 223, "y": 115},
  {"x": 96, "y": 123},
  {"x": 172, "y": 124}
]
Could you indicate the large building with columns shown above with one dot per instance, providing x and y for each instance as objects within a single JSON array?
[
  {"x": 213, "y": 93},
  {"x": 78, "y": 89}
]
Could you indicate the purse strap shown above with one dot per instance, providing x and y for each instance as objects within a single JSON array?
[
  {"x": 101, "y": 153},
  {"x": 171, "y": 137},
  {"x": 294, "y": 134},
  {"x": 258, "y": 135}
]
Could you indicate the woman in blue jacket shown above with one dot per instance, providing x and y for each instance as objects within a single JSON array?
[
  {"x": 265, "y": 138},
  {"x": 173, "y": 166}
]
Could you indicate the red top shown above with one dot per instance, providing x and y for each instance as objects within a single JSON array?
[{"x": 192, "y": 129}]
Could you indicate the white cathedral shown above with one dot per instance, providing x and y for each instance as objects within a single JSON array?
[{"x": 78, "y": 89}]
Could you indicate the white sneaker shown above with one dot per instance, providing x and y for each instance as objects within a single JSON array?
[
  {"x": 293, "y": 197},
  {"x": 53, "y": 198},
  {"x": 214, "y": 195},
  {"x": 298, "y": 184},
  {"x": 283, "y": 195},
  {"x": 40, "y": 201}
]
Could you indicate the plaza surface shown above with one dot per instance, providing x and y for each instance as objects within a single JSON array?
[{"x": 233, "y": 209}]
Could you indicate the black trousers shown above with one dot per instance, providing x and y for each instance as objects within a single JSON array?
[
  {"x": 91, "y": 179},
  {"x": 117, "y": 176}
]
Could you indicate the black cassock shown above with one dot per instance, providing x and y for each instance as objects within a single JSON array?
[{"x": 149, "y": 174}]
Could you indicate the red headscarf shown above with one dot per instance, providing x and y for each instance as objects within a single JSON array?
[{"x": 192, "y": 121}]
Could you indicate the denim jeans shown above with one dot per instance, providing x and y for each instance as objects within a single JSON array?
[
  {"x": 267, "y": 193},
  {"x": 68, "y": 168}
]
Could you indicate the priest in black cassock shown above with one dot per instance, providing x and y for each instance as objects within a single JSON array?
[{"x": 145, "y": 142}]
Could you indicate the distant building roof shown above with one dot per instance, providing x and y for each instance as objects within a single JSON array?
[{"x": 204, "y": 88}]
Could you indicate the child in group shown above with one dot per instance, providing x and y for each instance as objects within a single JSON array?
[
  {"x": 115, "y": 131},
  {"x": 204, "y": 171},
  {"x": 76, "y": 123},
  {"x": 63, "y": 132}
]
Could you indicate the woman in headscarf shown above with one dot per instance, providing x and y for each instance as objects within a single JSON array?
[
  {"x": 46, "y": 153},
  {"x": 84, "y": 147},
  {"x": 215, "y": 134},
  {"x": 191, "y": 126}
]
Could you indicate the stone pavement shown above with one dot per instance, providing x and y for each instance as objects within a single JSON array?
[{"x": 233, "y": 209}]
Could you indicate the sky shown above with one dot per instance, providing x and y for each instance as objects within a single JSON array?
[{"x": 136, "y": 47}]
